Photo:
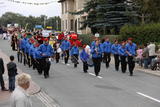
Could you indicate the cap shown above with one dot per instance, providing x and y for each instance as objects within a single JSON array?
[
  {"x": 130, "y": 38},
  {"x": 45, "y": 39},
  {"x": 84, "y": 46}
]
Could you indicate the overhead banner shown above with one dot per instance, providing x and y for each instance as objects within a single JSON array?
[{"x": 32, "y": 3}]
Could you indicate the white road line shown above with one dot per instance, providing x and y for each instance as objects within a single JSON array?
[
  {"x": 95, "y": 75},
  {"x": 99, "y": 77},
  {"x": 149, "y": 97},
  {"x": 92, "y": 74}
]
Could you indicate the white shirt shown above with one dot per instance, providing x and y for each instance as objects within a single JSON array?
[
  {"x": 20, "y": 98},
  {"x": 152, "y": 49}
]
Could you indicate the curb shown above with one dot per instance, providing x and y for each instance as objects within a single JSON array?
[{"x": 154, "y": 73}]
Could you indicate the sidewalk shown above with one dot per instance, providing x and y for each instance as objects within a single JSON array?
[
  {"x": 148, "y": 71},
  {"x": 5, "y": 95},
  {"x": 141, "y": 69}
]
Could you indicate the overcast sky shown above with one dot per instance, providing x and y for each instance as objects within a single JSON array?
[{"x": 53, "y": 9}]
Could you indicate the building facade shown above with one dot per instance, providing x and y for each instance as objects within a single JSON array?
[{"x": 72, "y": 22}]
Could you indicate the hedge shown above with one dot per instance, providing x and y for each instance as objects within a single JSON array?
[
  {"x": 141, "y": 34},
  {"x": 88, "y": 38}
]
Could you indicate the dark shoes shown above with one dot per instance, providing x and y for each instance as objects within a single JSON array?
[{"x": 4, "y": 89}]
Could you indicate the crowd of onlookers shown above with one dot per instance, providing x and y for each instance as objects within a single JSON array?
[{"x": 147, "y": 56}]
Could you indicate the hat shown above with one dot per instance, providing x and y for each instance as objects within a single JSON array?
[
  {"x": 24, "y": 35},
  {"x": 84, "y": 46},
  {"x": 130, "y": 38},
  {"x": 37, "y": 45},
  {"x": 45, "y": 39}
]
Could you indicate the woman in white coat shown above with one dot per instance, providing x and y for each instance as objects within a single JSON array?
[{"x": 19, "y": 97}]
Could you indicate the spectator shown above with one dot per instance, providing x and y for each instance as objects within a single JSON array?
[
  {"x": 12, "y": 72},
  {"x": 152, "y": 51},
  {"x": 1, "y": 75},
  {"x": 145, "y": 56},
  {"x": 139, "y": 56},
  {"x": 19, "y": 97}
]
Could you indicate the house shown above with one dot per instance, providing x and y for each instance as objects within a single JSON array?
[{"x": 71, "y": 22}]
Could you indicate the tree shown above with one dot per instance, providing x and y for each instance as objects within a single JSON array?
[
  {"x": 104, "y": 15},
  {"x": 148, "y": 10},
  {"x": 31, "y": 21}
]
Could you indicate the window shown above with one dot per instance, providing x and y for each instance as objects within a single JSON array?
[
  {"x": 72, "y": 24},
  {"x": 66, "y": 7},
  {"x": 66, "y": 24},
  {"x": 62, "y": 8}
]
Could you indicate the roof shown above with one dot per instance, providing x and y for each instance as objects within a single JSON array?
[{"x": 61, "y": 1}]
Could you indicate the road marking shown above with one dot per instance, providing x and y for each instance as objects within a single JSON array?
[
  {"x": 149, "y": 97},
  {"x": 95, "y": 75}
]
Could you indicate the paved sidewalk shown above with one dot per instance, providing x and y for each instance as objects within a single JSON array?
[
  {"x": 148, "y": 71},
  {"x": 5, "y": 96},
  {"x": 141, "y": 69}
]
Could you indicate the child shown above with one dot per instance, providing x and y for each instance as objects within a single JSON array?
[
  {"x": 74, "y": 54},
  {"x": 12, "y": 72},
  {"x": 139, "y": 56},
  {"x": 84, "y": 57}
]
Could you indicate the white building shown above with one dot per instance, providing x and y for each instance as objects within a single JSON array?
[{"x": 72, "y": 22}]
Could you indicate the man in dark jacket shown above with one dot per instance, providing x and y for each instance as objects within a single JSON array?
[
  {"x": 1, "y": 75},
  {"x": 12, "y": 72}
]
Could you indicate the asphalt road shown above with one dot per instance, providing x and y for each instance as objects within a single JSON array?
[{"x": 70, "y": 87}]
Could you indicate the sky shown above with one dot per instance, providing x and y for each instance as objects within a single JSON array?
[{"x": 50, "y": 10}]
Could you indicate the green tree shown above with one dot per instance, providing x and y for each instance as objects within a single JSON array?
[
  {"x": 104, "y": 15},
  {"x": 148, "y": 10}
]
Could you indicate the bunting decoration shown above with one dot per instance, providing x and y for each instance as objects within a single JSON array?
[{"x": 33, "y": 3}]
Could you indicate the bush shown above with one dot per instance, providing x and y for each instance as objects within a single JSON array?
[
  {"x": 141, "y": 34},
  {"x": 88, "y": 38}
]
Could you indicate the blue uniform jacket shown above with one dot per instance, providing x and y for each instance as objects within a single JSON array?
[
  {"x": 84, "y": 56},
  {"x": 37, "y": 54},
  {"x": 107, "y": 47},
  {"x": 97, "y": 54},
  {"x": 31, "y": 50},
  {"x": 93, "y": 44},
  {"x": 122, "y": 51},
  {"x": 74, "y": 50},
  {"x": 131, "y": 48},
  {"x": 23, "y": 43},
  {"x": 28, "y": 45},
  {"x": 46, "y": 49},
  {"x": 65, "y": 45},
  {"x": 114, "y": 49}
]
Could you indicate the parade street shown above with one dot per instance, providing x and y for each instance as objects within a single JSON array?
[{"x": 70, "y": 87}]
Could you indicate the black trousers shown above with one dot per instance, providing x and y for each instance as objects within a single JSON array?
[
  {"x": 123, "y": 64},
  {"x": 2, "y": 81},
  {"x": 97, "y": 65},
  {"x": 57, "y": 57},
  {"x": 107, "y": 58},
  {"x": 39, "y": 66},
  {"x": 66, "y": 57},
  {"x": 19, "y": 56},
  {"x": 33, "y": 62},
  {"x": 85, "y": 66},
  {"x": 131, "y": 64},
  {"x": 28, "y": 60},
  {"x": 45, "y": 66},
  {"x": 116, "y": 59}
]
